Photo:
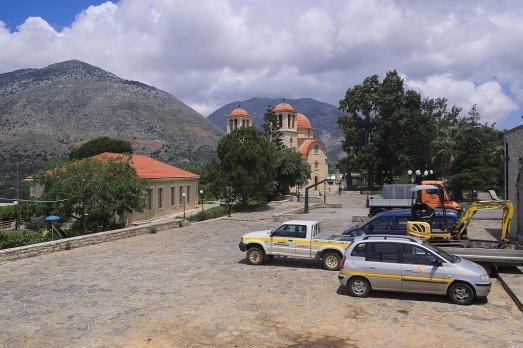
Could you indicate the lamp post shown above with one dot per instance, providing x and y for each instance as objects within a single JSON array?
[
  {"x": 201, "y": 198},
  {"x": 183, "y": 198}
]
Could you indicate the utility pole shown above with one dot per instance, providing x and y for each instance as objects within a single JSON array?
[{"x": 17, "y": 222}]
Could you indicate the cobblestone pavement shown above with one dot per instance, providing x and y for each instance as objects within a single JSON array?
[{"x": 191, "y": 287}]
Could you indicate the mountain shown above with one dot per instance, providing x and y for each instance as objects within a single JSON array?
[
  {"x": 45, "y": 112},
  {"x": 322, "y": 115}
]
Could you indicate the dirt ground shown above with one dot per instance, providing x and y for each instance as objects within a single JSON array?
[{"x": 191, "y": 287}]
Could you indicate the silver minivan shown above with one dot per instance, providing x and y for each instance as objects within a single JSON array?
[{"x": 409, "y": 264}]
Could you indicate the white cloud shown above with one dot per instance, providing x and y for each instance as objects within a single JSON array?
[
  {"x": 492, "y": 103},
  {"x": 211, "y": 52}
]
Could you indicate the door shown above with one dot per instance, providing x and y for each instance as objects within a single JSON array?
[
  {"x": 419, "y": 272},
  {"x": 382, "y": 267},
  {"x": 282, "y": 240},
  {"x": 301, "y": 242}
]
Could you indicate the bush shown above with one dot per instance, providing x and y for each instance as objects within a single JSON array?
[{"x": 13, "y": 239}]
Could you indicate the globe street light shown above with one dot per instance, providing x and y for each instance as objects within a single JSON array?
[
  {"x": 409, "y": 172},
  {"x": 418, "y": 172},
  {"x": 183, "y": 197},
  {"x": 201, "y": 198}
]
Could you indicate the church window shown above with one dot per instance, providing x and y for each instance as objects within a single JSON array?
[
  {"x": 316, "y": 164},
  {"x": 316, "y": 149},
  {"x": 291, "y": 141},
  {"x": 280, "y": 120},
  {"x": 235, "y": 123},
  {"x": 288, "y": 121},
  {"x": 243, "y": 123},
  {"x": 293, "y": 121},
  {"x": 231, "y": 124}
]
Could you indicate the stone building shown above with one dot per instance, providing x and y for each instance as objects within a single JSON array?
[
  {"x": 514, "y": 177},
  {"x": 168, "y": 187},
  {"x": 297, "y": 132}
]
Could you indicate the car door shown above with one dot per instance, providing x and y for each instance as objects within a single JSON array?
[
  {"x": 419, "y": 272},
  {"x": 282, "y": 240},
  {"x": 301, "y": 243},
  {"x": 381, "y": 265}
]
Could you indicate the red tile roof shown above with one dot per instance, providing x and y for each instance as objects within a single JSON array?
[
  {"x": 149, "y": 168},
  {"x": 283, "y": 107},
  {"x": 239, "y": 112},
  {"x": 303, "y": 122},
  {"x": 306, "y": 147}
]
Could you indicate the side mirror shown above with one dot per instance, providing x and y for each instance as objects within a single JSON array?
[{"x": 436, "y": 262}]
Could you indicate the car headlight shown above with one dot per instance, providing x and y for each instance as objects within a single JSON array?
[{"x": 485, "y": 278}]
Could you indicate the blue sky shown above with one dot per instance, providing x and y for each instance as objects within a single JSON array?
[
  {"x": 58, "y": 13},
  {"x": 211, "y": 52}
]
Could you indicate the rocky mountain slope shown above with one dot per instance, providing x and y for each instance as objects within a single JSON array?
[
  {"x": 45, "y": 112},
  {"x": 322, "y": 115}
]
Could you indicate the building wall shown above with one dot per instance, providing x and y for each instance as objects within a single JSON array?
[
  {"x": 514, "y": 139},
  {"x": 319, "y": 163},
  {"x": 167, "y": 207},
  {"x": 238, "y": 122}
]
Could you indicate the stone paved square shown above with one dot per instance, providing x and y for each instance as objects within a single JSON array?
[{"x": 191, "y": 287}]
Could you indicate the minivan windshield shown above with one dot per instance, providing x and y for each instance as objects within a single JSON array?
[{"x": 448, "y": 257}]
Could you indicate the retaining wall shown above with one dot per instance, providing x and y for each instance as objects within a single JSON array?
[{"x": 89, "y": 239}]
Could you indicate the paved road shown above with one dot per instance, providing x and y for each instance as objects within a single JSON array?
[{"x": 191, "y": 287}]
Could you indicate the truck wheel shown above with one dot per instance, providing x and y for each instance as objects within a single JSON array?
[
  {"x": 331, "y": 261},
  {"x": 461, "y": 293},
  {"x": 358, "y": 287},
  {"x": 255, "y": 256}
]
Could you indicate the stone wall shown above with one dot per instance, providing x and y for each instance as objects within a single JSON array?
[
  {"x": 80, "y": 241},
  {"x": 514, "y": 140}
]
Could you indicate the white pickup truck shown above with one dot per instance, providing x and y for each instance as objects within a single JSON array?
[{"x": 297, "y": 239}]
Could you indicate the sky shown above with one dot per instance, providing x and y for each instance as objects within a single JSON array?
[{"x": 211, "y": 52}]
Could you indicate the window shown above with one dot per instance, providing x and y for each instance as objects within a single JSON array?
[
  {"x": 399, "y": 225},
  {"x": 291, "y": 141},
  {"x": 188, "y": 193},
  {"x": 284, "y": 231},
  {"x": 235, "y": 123},
  {"x": 359, "y": 250},
  {"x": 149, "y": 199},
  {"x": 231, "y": 125},
  {"x": 160, "y": 191},
  {"x": 316, "y": 164},
  {"x": 301, "y": 231},
  {"x": 291, "y": 231},
  {"x": 415, "y": 255},
  {"x": 382, "y": 252},
  {"x": 180, "y": 193},
  {"x": 293, "y": 120},
  {"x": 380, "y": 225},
  {"x": 316, "y": 149},
  {"x": 173, "y": 195},
  {"x": 288, "y": 121},
  {"x": 243, "y": 123},
  {"x": 280, "y": 120}
]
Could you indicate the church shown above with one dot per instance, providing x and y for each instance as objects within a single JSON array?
[{"x": 297, "y": 132}]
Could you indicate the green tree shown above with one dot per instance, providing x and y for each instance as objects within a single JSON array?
[
  {"x": 245, "y": 167},
  {"x": 92, "y": 190},
  {"x": 291, "y": 170},
  {"x": 271, "y": 128},
  {"x": 99, "y": 145}
]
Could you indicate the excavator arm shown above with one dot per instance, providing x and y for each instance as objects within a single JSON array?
[{"x": 423, "y": 230}]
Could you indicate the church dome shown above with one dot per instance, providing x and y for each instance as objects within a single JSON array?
[
  {"x": 283, "y": 107},
  {"x": 303, "y": 121},
  {"x": 239, "y": 112}
]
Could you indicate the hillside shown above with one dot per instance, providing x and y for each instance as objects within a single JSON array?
[
  {"x": 322, "y": 115},
  {"x": 45, "y": 112}
]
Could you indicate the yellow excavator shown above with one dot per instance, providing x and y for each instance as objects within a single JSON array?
[{"x": 455, "y": 234}]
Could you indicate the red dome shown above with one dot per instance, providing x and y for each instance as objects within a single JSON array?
[
  {"x": 239, "y": 112},
  {"x": 283, "y": 107},
  {"x": 303, "y": 122}
]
